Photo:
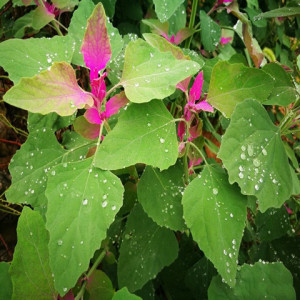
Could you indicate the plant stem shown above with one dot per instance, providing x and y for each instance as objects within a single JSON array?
[
  {"x": 192, "y": 22},
  {"x": 185, "y": 164},
  {"x": 200, "y": 152},
  {"x": 53, "y": 23},
  {"x": 113, "y": 88},
  {"x": 92, "y": 269}
]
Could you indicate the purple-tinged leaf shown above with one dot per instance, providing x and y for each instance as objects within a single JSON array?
[
  {"x": 196, "y": 89},
  {"x": 181, "y": 130},
  {"x": 182, "y": 35},
  {"x": 96, "y": 48},
  {"x": 203, "y": 105},
  {"x": 225, "y": 40},
  {"x": 115, "y": 103},
  {"x": 86, "y": 129},
  {"x": 99, "y": 89},
  {"x": 92, "y": 116},
  {"x": 54, "y": 90},
  {"x": 41, "y": 17},
  {"x": 184, "y": 84},
  {"x": 158, "y": 27}
]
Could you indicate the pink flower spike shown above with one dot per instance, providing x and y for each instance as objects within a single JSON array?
[
  {"x": 225, "y": 41},
  {"x": 196, "y": 89},
  {"x": 92, "y": 116},
  {"x": 114, "y": 104},
  {"x": 96, "y": 47},
  {"x": 203, "y": 105},
  {"x": 181, "y": 130},
  {"x": 288, "y": 209},
  {"x": 99, "y": 89}
]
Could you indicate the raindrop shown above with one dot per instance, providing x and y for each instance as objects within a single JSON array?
[
  {"x": 114, "y": 207},
  {"x": 59, "y": 242},
  {"x": 256, "y": 162},
  {"x": 215, "y": 191},
  {"x": 162, "y": 140},
  {"x": 85, "y": 202},
  {"x": 104, "y": 204},
  {"x": 256, "y": 187}
]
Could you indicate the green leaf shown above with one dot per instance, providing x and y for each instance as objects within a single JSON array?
[
  {"x": 109, "y": 6},
  {"x": 29, "y": 168},
  {"x": 26, "y": 58},
  {"x": 232, "y": 84},
  {"x": 65, "y": 3},
  {"x": 54, "y": 90},
  {"x": 166, "y": 8},
  {"x": 3, "y": 2},
  {"x": 272, "y": 224},
  {"x": 123, "y": 294},
  {"x": 178, "y": 19},
  {"x": 21, "y": 24},
  {"x": 145, "y": 133},
  {"x": 210, "y": 32},
  {"x": 255, "y": 157},
  {"x": 280, "y": 12},
  {"x": 259, "y": 281},
  {"x": 145, "y": 250},
  {"x": 41, "y": 17},
  {"x": 30, "y": 272},
  {"x": 150, "y": 74},
  {"x": 160, "y": 194},
  {"x": 99, "y": 286},
  {"x": 284, "y": 92},
  {"x": 77, "y": 29},
  {"x": 84, "y": 202},
  {"x": 6, "y": 284},
  {"x": 215, "y": 211}
]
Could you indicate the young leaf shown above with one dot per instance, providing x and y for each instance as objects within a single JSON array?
[
  {"x": 145, "y": 250},
  {"x": 92, "y": 197},
  {"x": 65, "y": 3},
  {"x": 6, "y": 284},
  {"x": 215, "y": 211},
  {"x": 259, "y": 281},
  {"x": 30, "y": 272},
  {"x": 160, "y": 194},
  {"x": 150, "y": 74},
  {"x": 145, "y": 133},
  {"x": 123, "y": 294},
  {"x": 231, "y": 84},
  {"x": 280, "y": 12},
  {"x": 41, "y": 17},
  {"x": 166, "y": 8},
  {"x": 26, "y": 58},
  {"x": 54, "y": 90},
  {"x": 210, "y": 32},
  {"x": 254, "y": 156},
  {"x": 95, "y": 47}
]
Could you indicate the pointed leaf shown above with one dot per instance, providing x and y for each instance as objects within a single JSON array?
[
  {"x": 54, "y": 90},
  {"x": 145, "y": 250},
  {"x": 280, "y": 12},
  {"x": 41, "y": 17},
  {"x": 114, "y": 104},
  {"x": 157, "y": 27},
  {"x": 123, "y": 294},
  {"x": 30, "y": 271},
  {"x": 6, "y": 284},
  {"x": 65, "y": 3},
  {"x": 231, "y": 84},
  {"x": 93, "y": 198},
  {"x": 160, "y": 194},
  {"x": 196, "y": 89},
  {"x": 215, "y": 211},
  {"x": 86, "y": 129},
  {"x": 95, "y": 47},
  {"x": 149, "y": 73},
  {"x": 166, "y": 8},
  {"x": 26, "y": 58},
  {"x": 145, "y": 133},
  {"x": 259, "y": 281},
  {"x": 255, "y": 157}
]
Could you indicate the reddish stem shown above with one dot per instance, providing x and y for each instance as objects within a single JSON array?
[{"x": 10, "y": 142}]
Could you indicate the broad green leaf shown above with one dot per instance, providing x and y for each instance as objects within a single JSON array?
[
  {"x": 78, "y": 26},
  {"x": 21, "y": 24},
  {"x": 284, "y": 92},
  {"x": 145, "y": 133},
  {"x": 83, "y": 203},
  {"x": 272, "y": 224},
  {"x": 232, "y": 84},
  {"x": 280, "y": 12},
  {"x": 41, "y": 17},
  {"x": 99, "y": 286},
  {"x": 123, "y": 294},
  {"x": 3, "y": 2},
  {"x": 5, "y": 281},
  {"x": 215, "y": 212},
  {"x": 30, "y": 272},
  {"x": 178, "y": 19},
  {"x": 54, "y": 90},
  {"x": 254, "y": 156},
  {"x": 26, "y": 58},
  {"x": 145, "y": 250},
  {"x": 260, "y": 281},
  {"x": 160, "y": 194},
  {"x": 29, "y": 168},
  {"x": 166, "y": 8},
  {"x": 65, "y": 3},
  {"x": 150, "y": 74},
  {"x": 210, "y": 32}
]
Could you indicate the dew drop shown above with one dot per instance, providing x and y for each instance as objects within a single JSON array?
[
  {"x": 215, "y": 191},
  {"x": 59, "y": 242},
  {"x": 162, "y": 140},
  {"x": 85, "y": 202},
  {"x": 104, "y": 204}
]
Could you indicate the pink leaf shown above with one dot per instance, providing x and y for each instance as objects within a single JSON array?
[
  {"x": 86, "y": 129},
  {"x": 182, "y": 35},
  {"x": 96, "y": 48},
  {"x": 196, "y": 89},
  {"x": 114, "y": 104},
  {"x": 195, "y": 130},
  {"x": 99, "y": 89},
  {"x": 181, "y": 130},
  {"x": 92, "y": 116},
  {"x": 225, "y": 40},
  {"x": 184, "y": 84},
  {"x": 203, "y": 105}
]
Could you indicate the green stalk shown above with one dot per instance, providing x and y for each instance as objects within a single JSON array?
[
  {"x": 185, "y": 164},
  {"x": 200, "y": 152},
  {"x": 192, "y": 22}
]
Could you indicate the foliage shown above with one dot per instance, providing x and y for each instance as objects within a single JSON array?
[{"x": 162, "y": 159}]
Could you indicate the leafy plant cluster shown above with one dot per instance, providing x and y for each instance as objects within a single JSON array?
[{"x": 162, "y": 154}]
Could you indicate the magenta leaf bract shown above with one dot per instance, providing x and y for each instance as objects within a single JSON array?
[{"x": 96, "y": 48}]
